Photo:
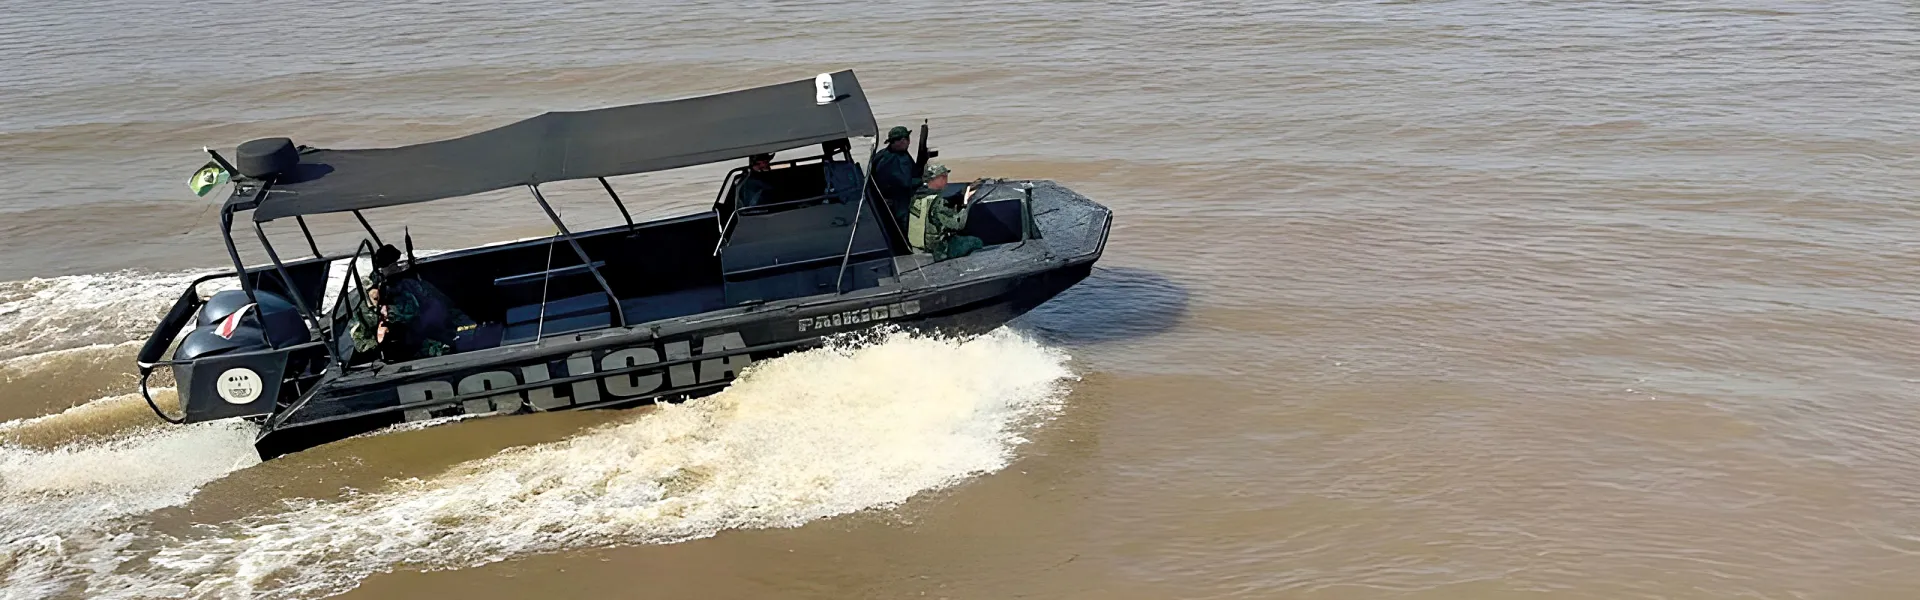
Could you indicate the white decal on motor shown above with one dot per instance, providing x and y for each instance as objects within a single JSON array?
[{"x": 240, "y": 385}]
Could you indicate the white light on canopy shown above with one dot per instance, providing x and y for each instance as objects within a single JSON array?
[{"x": 823, "y": 89}]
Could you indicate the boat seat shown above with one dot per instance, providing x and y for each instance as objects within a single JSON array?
[
  {"x": 525, "y": 332},
  {"x": 677, "y": 303},
  {"x": 563, "y": 307},
  {"x": 565, "y": 315},
  {"x": 995, "y": 222},
  {"x": 480, "y": 337}
]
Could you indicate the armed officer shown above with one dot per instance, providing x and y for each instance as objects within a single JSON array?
[
  {"x": 412, "y": 318},
  {"x": 933, "y": 226},
  {"x": 893, "y": 173}
]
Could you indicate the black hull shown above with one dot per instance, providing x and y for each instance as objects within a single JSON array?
[{"x": 994, "y": 302}]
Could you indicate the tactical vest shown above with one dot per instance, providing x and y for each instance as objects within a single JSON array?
[
  {"x": 921, "y": 234},
  {"x": 433, "y": 322}
]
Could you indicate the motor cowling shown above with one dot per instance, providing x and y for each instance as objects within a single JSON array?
[
  {"x": 233, "y": 361},
  {"x": 272, "y": 322}
]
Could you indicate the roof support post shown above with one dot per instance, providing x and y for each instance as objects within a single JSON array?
[
  {"x": 619, "y": 316},
  {"x": 853, "y": 231},
  {"x": 868, "y": 189},
  {"x": 309, "y": 233},
  {"x": 239, "y": 269},
  {"x": 298, "y": 303},
  {"x": 370, "y": 231},
  {"x": 617, "y": 202}
]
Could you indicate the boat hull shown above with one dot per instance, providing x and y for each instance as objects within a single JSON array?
[{"x": 642, "y": 365}]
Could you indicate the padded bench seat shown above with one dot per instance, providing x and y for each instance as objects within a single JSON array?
[
  {"x": 563, "y": 307},
  {"x": 565, "y": 315}
]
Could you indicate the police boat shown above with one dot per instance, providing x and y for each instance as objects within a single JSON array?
[{"x": 622, "y": 314}]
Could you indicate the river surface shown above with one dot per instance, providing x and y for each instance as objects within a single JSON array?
[{"x": 1462, "y": 299}]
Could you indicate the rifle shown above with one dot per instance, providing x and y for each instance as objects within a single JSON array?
[{"x": 925, "y": 154}]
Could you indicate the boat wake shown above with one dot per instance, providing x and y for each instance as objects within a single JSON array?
[
  {"x": 851, "y": 427},
  {"x": 65, "y": 511},
  {"x": 45, "y": 314}
]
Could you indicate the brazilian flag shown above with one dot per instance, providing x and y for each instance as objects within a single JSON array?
[{"x": 207, "y": 178}]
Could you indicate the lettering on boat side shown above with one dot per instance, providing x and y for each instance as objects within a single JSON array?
[
  {"x": 587, "y": 391},
  {"x": 864, "y": 315}
]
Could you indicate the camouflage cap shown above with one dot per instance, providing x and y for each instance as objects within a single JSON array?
[
  {"x": 936, "y": 170},
  {"x": 897, "y": 132}
]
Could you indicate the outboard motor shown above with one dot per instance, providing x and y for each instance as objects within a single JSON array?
[
  {"x": 231, "y": 364},
  {"x": 274, "y": 314}
]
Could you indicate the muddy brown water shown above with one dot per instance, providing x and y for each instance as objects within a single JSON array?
[{"x": 1448, "y": 300}]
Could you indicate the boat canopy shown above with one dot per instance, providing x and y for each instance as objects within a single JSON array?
[{"x": 560, "y": 146}]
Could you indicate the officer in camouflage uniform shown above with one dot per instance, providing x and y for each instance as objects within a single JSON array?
[
  {"x": 413, "y": 319},
  {"x": 893, "y": 173},
  {"x": 933, "y": 226}
]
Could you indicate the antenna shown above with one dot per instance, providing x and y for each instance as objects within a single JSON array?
[
  {"x": 220, "y": 159},
  {"x": 406, "y": 237}
]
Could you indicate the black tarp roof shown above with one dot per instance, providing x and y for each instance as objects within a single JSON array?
[{"x": 559, "y": 146}]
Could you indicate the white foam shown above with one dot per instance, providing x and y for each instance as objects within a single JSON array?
[
  {"x": 58, "y": 489},
  {"x": 811, "y": 435},
  {"x": 52, "y": 313},
  {"x": 62, "y": 510}
]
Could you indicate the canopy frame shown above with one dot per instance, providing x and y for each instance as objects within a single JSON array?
[
  {"x": 298, "y": 195},
  {"x": 565, "y": 146}
]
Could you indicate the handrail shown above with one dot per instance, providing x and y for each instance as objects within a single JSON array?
[
  {"x": 155, "y": 405},
  {"x": 727, "y": 184},
  {"x": 542, "y": 275},
  {"x": 299, "y": 303},
  {"x": 766, "y": 208},
  {"x": 351, "y": 281},
  {"x": 798, "y": 265},
  {"x": 726, "y": 231},
  {"x": 720, "y": 198}
]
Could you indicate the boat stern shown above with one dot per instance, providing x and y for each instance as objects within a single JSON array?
[{"x": 234, "y": 359}]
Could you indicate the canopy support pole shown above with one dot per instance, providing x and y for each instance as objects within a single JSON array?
[
  {"x": 309, "y": 233},
  {"x": 239, "y": 269},
  {"x": 295, "y": 296},
  {"x": 852, "y": 233},
  {"x": 866, "y": 189},
  {"x": 617, "y": 202},
  {"x": 369, "y": 226},
  {"x": 619, "y": 315}
]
